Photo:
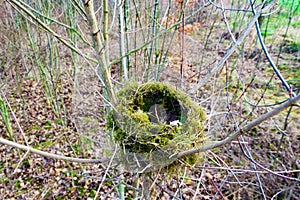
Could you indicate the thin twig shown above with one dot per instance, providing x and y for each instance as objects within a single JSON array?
[
  {"x": 122, "y": 39},
  {"x": 273, "y": 65},
  {"x": 232, "y": 49},
  {"x": 228, "y": 9},
  {"x": 49, "y": 155},
  {"x": 182, "y": 45},
  {"x": 15, "y": 4},
  {"x": 226, "y": 23},
  {"x": 98, "y": 46},
  {"x": 248, "y": 153},
  {"x": 19, "y": 127},
  {"x": 244, "y": 129},
  {"x": 268, "y": 170},
  {"x": 159, "y": 34},
  {"x": 106, "y": 171},
  {"x": 246, "y": 170}
]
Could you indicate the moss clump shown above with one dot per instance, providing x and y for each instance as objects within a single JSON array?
[{"x": 153, "y": 121}]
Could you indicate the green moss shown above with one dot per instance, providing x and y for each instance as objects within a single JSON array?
[
  {"x": 140, "y": 117},
  {"x": 141, "y": 123}
]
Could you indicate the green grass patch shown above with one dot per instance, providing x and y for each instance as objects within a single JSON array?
[
  {"x": 46, "y": 144},
  {"x": 5, "y": 117},
  {"x": 293, "y": 5},
  {"x": 77, "y": 148},
  {"x": 280, "y": 19}
]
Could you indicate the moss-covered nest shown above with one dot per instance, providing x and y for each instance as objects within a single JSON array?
[{"x": 154, "y": 121}]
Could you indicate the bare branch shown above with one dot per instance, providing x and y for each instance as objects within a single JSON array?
[
  {"x": 41, "y": 24},
  {"x": 244, "y": 129},
  {"x": 99, "y": 46},
  {"x": 276, "y": 70},
  {"x": 48, "y": 155},
  {"x": 232, "y": 49}
]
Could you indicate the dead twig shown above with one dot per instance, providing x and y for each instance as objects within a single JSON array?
[
  {"x": 241, "y": 131},
  {"x": 49, "y": 155}
]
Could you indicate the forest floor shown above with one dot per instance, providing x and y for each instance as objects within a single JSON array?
[{"x": 225, "y": 173}]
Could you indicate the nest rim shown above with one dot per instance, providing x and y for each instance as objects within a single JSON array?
[{"x": 136, "y": 134}]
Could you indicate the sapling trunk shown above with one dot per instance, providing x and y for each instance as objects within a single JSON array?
[{"x": 101, "y": 47}]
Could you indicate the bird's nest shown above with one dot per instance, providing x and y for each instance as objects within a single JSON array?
[{"x": 152, "y": 122}]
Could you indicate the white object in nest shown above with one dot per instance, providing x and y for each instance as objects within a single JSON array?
[{"x": 175, "y": 123}]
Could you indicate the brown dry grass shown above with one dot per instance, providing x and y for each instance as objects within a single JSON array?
[{"x": 224, "y": 173}]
